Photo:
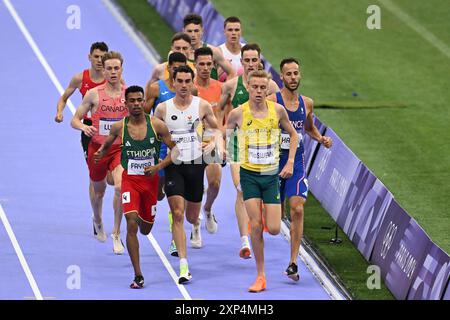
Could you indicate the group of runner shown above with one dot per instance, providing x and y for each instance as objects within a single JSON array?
[{"x": 205, "y": 107}]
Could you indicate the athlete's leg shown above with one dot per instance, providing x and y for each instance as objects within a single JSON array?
[
  {"x": 117, "y": 201},
  {"x": 253, "y": 207},
  {"x": 214, "y": 176},
  {"x": 99, "y": 188},
  {"x": 176, "y": 204},
  {"x": 296, "y": 203},
  {"x": 241, "y": 213},
  {"x": 272, "y": 216},
  {"x": 132, "y": 241}
]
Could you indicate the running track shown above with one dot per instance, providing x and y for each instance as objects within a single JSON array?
[{"x": 43, "y": 183}]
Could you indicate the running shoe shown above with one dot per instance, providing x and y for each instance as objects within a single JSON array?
[
  {"x": 259, "y": 285},
  {"x": 117, "y": 244},
  {"x": 99, "y": 231},
  {"x": 138, "y": 282},
  {"x": 185, "y": 276},
  {"x": 292, "y": 272},
  {"x": 245, "y": 252},
  {"x": 211, "y": 222},
  {"x": 173, "y": 251},
  {"x": 196, "y": 237}
]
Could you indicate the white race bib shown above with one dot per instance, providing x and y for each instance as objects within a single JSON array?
[
  {"x": 185, "y": 140},
  {"x": 105, "y": 126},
  {"x": 286, "y": 140},
  {"x": 136, "y": 166},
  {"x": 261, "y": 154}
]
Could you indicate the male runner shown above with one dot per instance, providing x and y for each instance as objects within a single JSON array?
[
  {"x": 231, "y": 48},
  {"x": 258, "y": 121},
  {"x": 141, "y": 137},
  {"x": 84, "y": 81},
  {"x": 181, "y": 42},
  {"x": 184, "y": 179},
  {"x": 210, "y": 90},
  {"x": 107, "y": 105},
  {"x": 193, "y": 26},
  {"x": 300, "y": 111},
  {"x": 234, "y": 93}
]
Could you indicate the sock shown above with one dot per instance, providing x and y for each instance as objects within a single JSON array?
[
  {"x": 183, "y": 262},
  {"x": 244, "y": 241}
]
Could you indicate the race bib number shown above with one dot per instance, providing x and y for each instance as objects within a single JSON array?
[
  {"x": 286, "y": 140},
  {"x": 185, "y": 140},
  {"x": 136, "y": 166},
  {"x": 105, "y": 126},
  {"x": 261, "y": 154}
]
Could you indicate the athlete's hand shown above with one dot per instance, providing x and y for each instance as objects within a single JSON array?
[
  {"x": 327, "y": 142},
  {"x": 207, "y": 147},
  {"x": 98, "y": 155},
  {"x": 287, "y": 171},
  {"x": 59, "y": 117},
  {"x": 151, "y": 170},
  {"x": 89, "y": 131}
]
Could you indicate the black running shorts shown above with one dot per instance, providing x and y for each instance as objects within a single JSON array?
[
  {"x": 85, "y": 139},
  {"x": 186, "y": 180}
]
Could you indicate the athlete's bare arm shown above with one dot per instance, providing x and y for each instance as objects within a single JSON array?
[
  {"x": 163, "y": 132},
  {"x": 273, "y": 87},
  {"x": 310, "y": 127},
  {"x": 75, "y": 83},
  {"x": 151, "y": 93},
  {"x": 272, "y": 97},
  {"x": 160, "y": 111},
  {"x": 89, "y": 103},
  {"x": 283, "y": 117},
  {"x": 220, "y": 60},
  {"x": 116, "y": 131},
  {"x": 224, "y": 105},
  {"x": 158, "y": 73}
]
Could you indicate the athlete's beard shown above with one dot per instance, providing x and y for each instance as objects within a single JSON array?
[{"x": 286, "y": 85}]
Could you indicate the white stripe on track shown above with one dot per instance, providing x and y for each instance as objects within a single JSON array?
[
  {"x": 23, "y": 261},
  {"x": 417, "y": 27},
  {"x": 37, "y": 51},
  {"x": 168, "y": 266},
  {"x": 54, "y": 79},
  {"x": 150, "y": 57}
]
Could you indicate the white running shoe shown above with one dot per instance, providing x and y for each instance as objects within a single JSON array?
[
  {"x": 99, "y": 231},
  {"x": 210, "y": 222},
  {"x": 196, "y": 237},
  {"x": 185, "y": 275},
  {"x": 117, "y": 244}
]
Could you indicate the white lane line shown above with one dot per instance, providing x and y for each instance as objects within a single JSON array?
[
  {"x": 149, "y": 55},
  {"x": 23, "y": 261},
  {"x": 168, "y": 266},
  {"x": 417, "y": 27},
  {"x": 37, "y": 51},
  {"x": 58, "y": 86}
]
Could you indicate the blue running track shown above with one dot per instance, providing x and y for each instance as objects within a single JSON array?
[{"x": 44, "y": 180}]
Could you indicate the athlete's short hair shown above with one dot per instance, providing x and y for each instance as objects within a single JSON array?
[
  {"x": 183, "y": 69},
  {"x": 203, "y": 51},
  {"x": 176, "y": 57},
  {"x": 259, "y": 74},
  {"x": 250, "y": 46},
  {"x": 100, "y": 46},
  {"x": 288, "y": 60},
  {"x": 132, "y": 89},
  {"x": 112, "y": 55},
  {"x": 181, "y": 36},
  {"x": 231, "y": 19},
  {"x": 192, "y": 18}
]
